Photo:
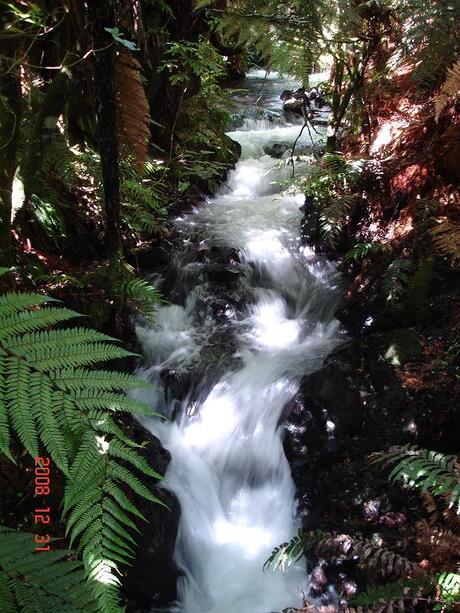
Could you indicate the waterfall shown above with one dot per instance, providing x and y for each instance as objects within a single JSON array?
[{"x": 228, "y": 469}]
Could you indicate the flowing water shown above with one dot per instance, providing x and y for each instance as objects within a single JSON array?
[{"x": 274, "y": 324}]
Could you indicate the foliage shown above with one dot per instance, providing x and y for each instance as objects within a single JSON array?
[
  {"x": 392, "y": 592},
  {"x": 142, "y": 191},
  {"x": 396, "y": 279},
  {"x": 203, "y": 150},
  {"x": 119, "y": 37},
  {"x": 370, "y": 554},
  {"x": 33, "y": 581},
  {"x": 362, "y": 251},
  {"x": 141, "y": 295},
  {"x": 133, "y": 112},
  {"x": 328, "y": 184},
  {"x": 183, "y": 58},
  {"x": 449, "y": 89},
  {"x": 142, "y": 197},
  {"x": 286, "y": 554},
  {"x": 294, "y": 30},
  {"x": 446, "y": 240},
  {"x": 429, "y": 38},
  {"x": 428, "y": 471},
  {"x": 52, "y": 398}
]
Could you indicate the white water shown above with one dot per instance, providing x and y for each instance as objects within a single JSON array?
[{"x": 228, "y": 468}]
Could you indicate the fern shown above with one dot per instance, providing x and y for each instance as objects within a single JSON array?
[
  {"x": 362, "y": 251},
  {"x": 370, "y": 556},
  {"x": 396, "y": 279},
  {"x": 449, "y": 90},
  {"x": 428, "y": 471},
  {"x": 430, "y": 49},
  {"x": 333, "y": 217},
  {"x": 394, "y": 591},
  {"x": 446, "y": 240},
  {"x": 34, "y": 582},
  {"x": 286, "y": 554},
  {"x": 143, "y": 295},
  {"x": 49, "y": 398}
]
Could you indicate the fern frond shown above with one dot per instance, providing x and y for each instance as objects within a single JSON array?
[
  {"x": 143, "y": 295},
  {"x": 426, "y": 470},
  {"x": 394, "y": 591},
  {"x": 396, "y": 279},
  {"x": 371, "y": 556},
  {"x": 49, "y": 398},
  {"x": 13, "y": 302},
  {"x": 27, "y": 321},
  {"x": 286, "y": 554},
  {"x": 49, "y": 339},
  {"x": 449, "y": 90},
  {"x": 446, "y": 240},
  {"x": 439, "y": 544},
  {"x": 17, "y": 380},
  {"x": 75, "y": 379},
  {"x": 72, "y": 355},
  {"x": 361, "y": 251},
  {"x": 133, "y": 113},
  {"x": 32, "y": 581}
]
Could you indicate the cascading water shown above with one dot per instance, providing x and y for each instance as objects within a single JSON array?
[{"x": 228, "y": 469}]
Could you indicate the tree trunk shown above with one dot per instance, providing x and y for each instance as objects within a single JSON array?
[
  {"x": 165, "y": 99},
  {"x": 10, "y": 112},
  {"x": 102, "y": 15},
  {"x": 333, "y": 124},
  {"x": 44, "y": 130}
]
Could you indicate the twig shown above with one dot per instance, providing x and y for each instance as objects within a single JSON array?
[
  {"x": 171, "y": 142},
  {"x": 61, "y": 66},
  {"x": 262, "y": 88},
  {"x": 305, "y": 125}
]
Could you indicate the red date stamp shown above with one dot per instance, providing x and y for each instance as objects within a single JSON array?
[{"x": 42, "y": 516}]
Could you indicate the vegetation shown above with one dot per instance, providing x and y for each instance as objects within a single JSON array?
[
  {"x": 54, "y": 403},
  {"x": 112, "y": 121},
  {"x": 437, "y": 476}
]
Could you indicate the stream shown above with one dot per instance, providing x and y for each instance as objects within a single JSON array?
[{"x": 249, "y": 313}]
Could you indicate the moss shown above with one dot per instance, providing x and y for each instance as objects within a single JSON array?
[
  {"x": 419, "y": 290},
  {"x": 403, "y": 345}
]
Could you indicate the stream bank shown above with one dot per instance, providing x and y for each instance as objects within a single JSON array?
[{"x": 372, "y": 392}]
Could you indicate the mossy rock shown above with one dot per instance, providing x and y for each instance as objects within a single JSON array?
[
  {"x": 403, "y": 345},
  {"x": 419, "y": 290}
]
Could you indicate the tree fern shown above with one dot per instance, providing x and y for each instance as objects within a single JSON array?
[
  {"x": 430, "y": 49},
  {"x": 33, "y": 582},
  {"x": 50, "y": 398}
]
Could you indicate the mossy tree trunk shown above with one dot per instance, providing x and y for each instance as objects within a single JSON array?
[
  {"x": 181, "y": 24},
  {"x": 333, "y": 124},
  {"x": 102, "y": 15},
  {"x": 10, "y": 113},
  {"x": 43, "y": 131}
]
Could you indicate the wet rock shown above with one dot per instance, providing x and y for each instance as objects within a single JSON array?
[
  {"x": 276, "y": 150},
  {"x": 326, "y": 413},
  {"x": 176, "y": 383},
  {"x": 151, "y": 581},
  {"x": 293, "y": 105},
  {"x": 404, "y": 345}
]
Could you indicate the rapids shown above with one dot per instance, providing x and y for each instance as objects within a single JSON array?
[{"x": 228, "y": 469}]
